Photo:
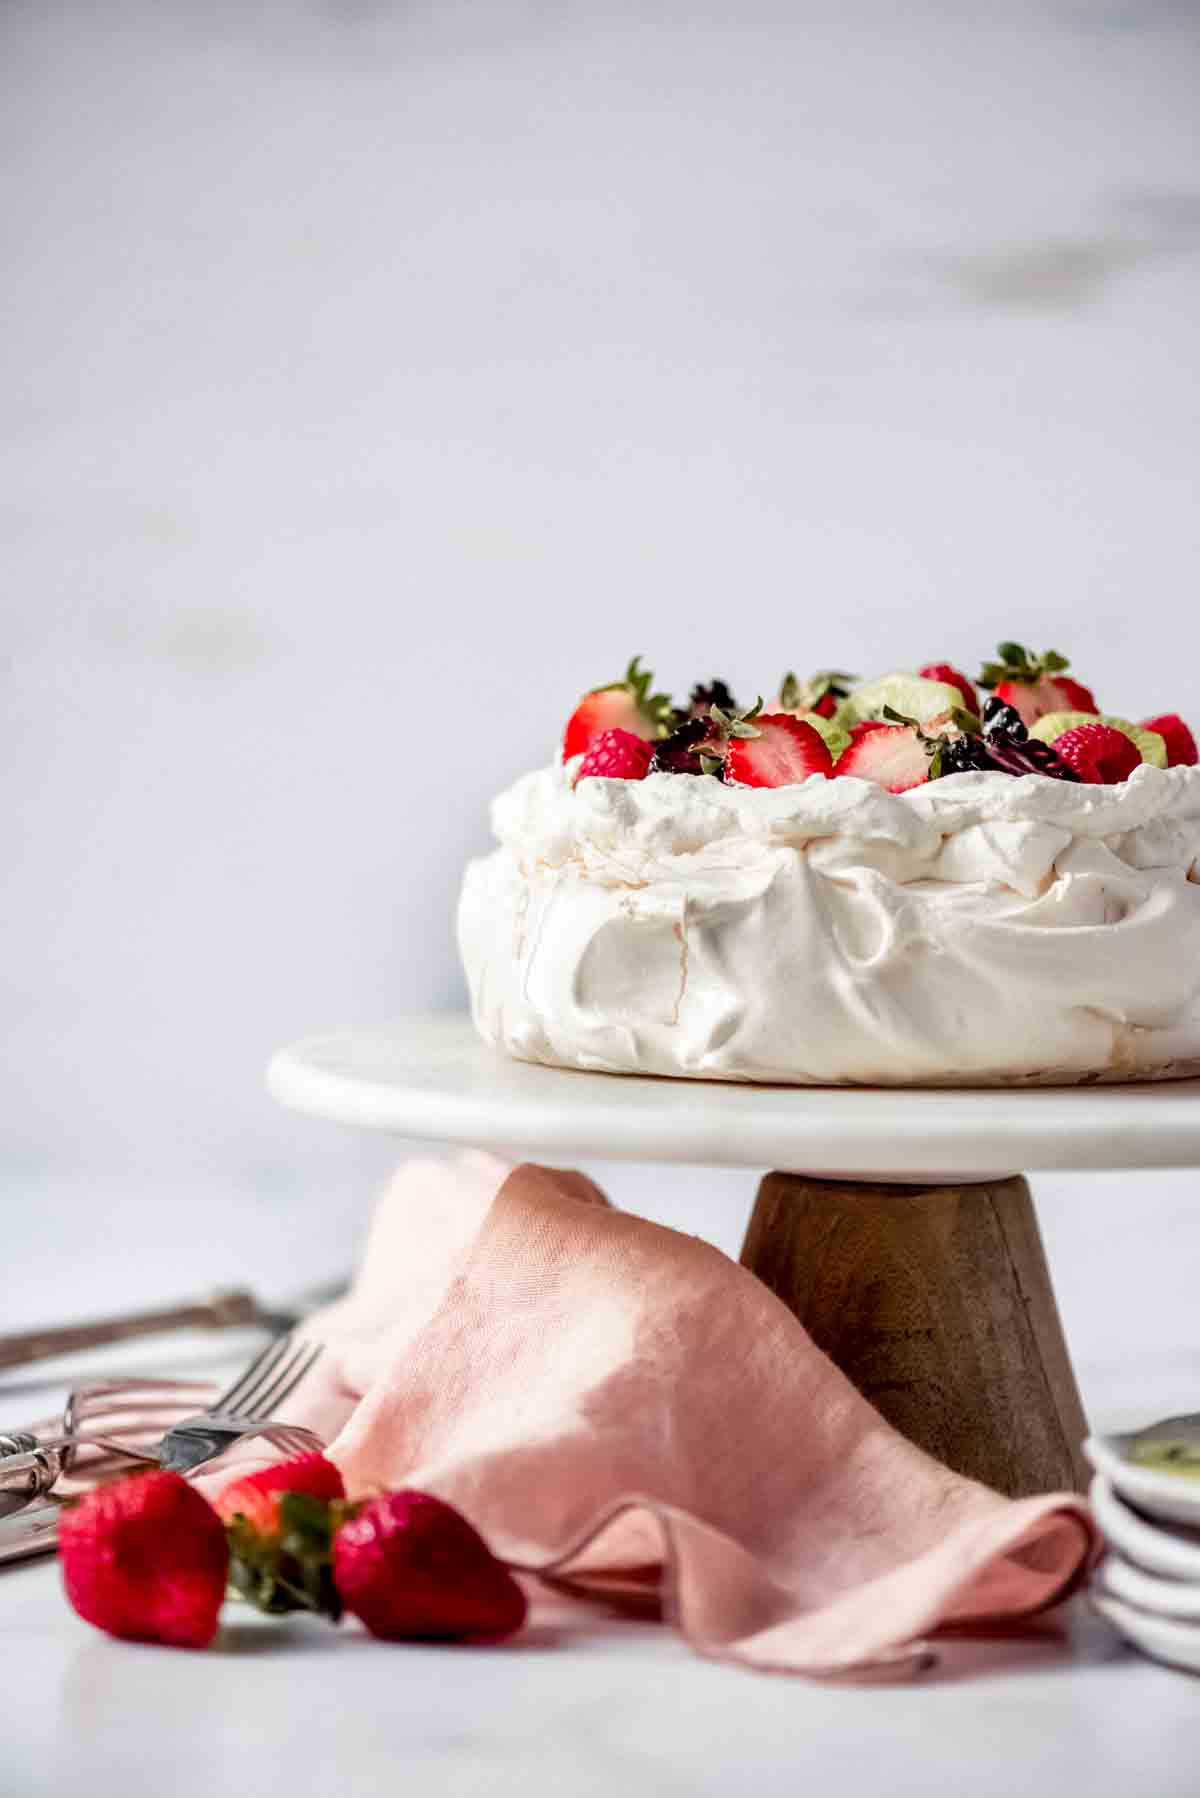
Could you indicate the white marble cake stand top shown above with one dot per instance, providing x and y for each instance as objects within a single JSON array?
[{"x": 431, "y": 1078}]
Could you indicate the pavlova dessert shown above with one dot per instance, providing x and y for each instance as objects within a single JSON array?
[{"x": 885, "y": 882}]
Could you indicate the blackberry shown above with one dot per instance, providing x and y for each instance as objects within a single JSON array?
[
  {"x": 679, "y": 753},
  {"x": 704, "y": 697},
  {"x": 962, "y": 755},
  {"x": 999, "y": 717}
]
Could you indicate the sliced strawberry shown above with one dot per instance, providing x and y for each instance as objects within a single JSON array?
[
  {"x": 950, "y": 677},
  {"x": 867, "y": 724},
  {"x": 617, "y": 755},
  {"x": 626, "y": 704},
  {"x": 781, "y": 751},
  {"x": 1181, "y": 744},
  {"x": 1099, "y": 754},
  {"x": 891, "y": 755}
]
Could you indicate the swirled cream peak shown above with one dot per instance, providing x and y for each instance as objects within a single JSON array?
[{"x": 980, "y": 927}]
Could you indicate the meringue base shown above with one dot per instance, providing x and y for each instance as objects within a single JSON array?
[{"x": 978, "y": 931}]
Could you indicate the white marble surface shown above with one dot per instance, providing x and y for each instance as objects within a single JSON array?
[{"x": 363, "y": 358}]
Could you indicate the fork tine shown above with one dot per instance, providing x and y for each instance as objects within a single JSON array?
[
  {"x": 287, "y": 1379},
  {"x": 245, "y": 1387}
]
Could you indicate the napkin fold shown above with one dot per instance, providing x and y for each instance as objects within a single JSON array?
[{"x": 627, "y": 1414}]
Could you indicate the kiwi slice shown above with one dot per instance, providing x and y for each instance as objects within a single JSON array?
[{"x": 909, "y": 694}]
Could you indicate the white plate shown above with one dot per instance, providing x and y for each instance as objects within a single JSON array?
[
  {"x": 1120, "y": 1579},
  {"x": 1164, "y": 1495},
  {"x": 1162, "y": 1638},
  {"x": 433, "y": 1079},
  {"x": 1165, "y": 1548}
]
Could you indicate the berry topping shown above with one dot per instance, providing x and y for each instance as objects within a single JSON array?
[
  {"x": 950, "y": 677},
  {"x": 680, "y": 752},
  {"x": 821, "y": 693},
  {"x": 1099, "y": 754},
  {"x": 704, "y": 697},
  {"x": 1000, "y": 718},
  {"x": 413, "y": 1569},
  {"x": 146, "y": 1558},
  {"x": 623, "y": 705},
  {"x": 777, "y": 751},
  {"x": 1034, "y": 685},
  {"x": 617, "y": 755},
  {"x": 892, "y": 755},
  {"x": 1178, "y": 739}
]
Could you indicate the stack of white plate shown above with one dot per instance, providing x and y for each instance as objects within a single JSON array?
[{"x": 1148, "y": 1585}]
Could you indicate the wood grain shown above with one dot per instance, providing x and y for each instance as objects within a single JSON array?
[{"x": 936, "y": 1302}]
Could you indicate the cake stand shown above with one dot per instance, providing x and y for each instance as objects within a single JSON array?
[{"x": 894, "y": 1226}]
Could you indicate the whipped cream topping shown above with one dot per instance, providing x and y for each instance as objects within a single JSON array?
[{"x": 981, "y": 927}]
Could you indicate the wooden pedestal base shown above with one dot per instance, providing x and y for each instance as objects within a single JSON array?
[{"x": 936, "y": 1302}]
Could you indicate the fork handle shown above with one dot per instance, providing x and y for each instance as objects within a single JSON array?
[{"x": 223, "y": 1311}]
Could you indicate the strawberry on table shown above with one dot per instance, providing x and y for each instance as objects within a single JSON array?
[
  {"x": 412, "y": 1568},
  {"x": 1034, "y": 685},
  {"x": 256, "y": 1496},
  {"x": 891, "y": 755},
  {"x": 776, "y": 751},
  {"x": 280, "y": 1528},
  {"x": 626, "y": 704},
  {"x": 1181, "y": 744},
  {"x": 951, "y": 677},
  {"x": 146, "y": 1559},
  {"x": 1099, "y": 754},
  {"x": 617, "y": 755}
]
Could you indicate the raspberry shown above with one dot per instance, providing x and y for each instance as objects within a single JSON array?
[
  {"x": 617, "y": 755},
  {"x": 1099, "y": 755}
]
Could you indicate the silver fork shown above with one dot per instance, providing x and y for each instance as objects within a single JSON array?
[
  {"x": 243, "y": 1408},
  {"x": 30, "y": 1464}
]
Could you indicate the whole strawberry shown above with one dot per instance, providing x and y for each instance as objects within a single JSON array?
[
  {"x": 1034, "y": 685},
  {"x": 145, "y": 1558},
  {"x": 617, "y": 755},
  {"x": 280, "y": 1529},
  {"x": 412, "y": 1568},
  {"x": 950, "y": 677},
  {"x": 1181, "y": 744},
  {"x": 626, "y": 704},
  {"x": 1099, "y": 755}
]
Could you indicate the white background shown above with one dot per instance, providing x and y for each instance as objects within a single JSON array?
[{"x": 376, "y": 377}]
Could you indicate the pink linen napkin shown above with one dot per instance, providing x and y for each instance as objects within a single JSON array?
[{"x": 626, "y": 1413}]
